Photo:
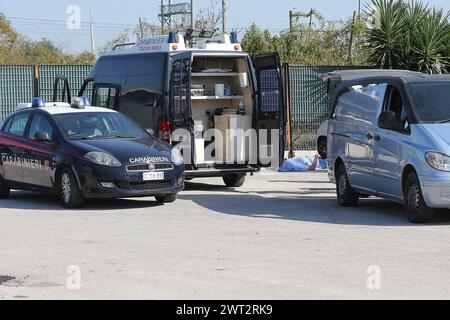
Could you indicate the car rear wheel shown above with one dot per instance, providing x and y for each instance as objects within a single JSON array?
[
  {"x": 346, "y": 195},
  {"x": 4, "y": 190},
  {"x": 234, "y": 180},
  {"x": 70, "y": 194},
  {"x": 322, "y": 147},
  {"x": 167, "y": 198},
  {"x": 416, "y": 208}
]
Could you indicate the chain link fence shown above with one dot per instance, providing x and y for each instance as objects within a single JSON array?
[
  {"x": 309, "y": 96},
  {"x": 311, "y": 100}
]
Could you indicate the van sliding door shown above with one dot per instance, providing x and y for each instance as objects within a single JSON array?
[{"x": 270, "y": 110}]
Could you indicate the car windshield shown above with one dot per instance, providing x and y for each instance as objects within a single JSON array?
[
  {"x": 432, "y": 101},
  {"x": 98, "y": 125}
]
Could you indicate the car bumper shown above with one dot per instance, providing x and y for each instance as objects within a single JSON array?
[
  {"x": 436, "y": 192},
  {"x": 124, "y": 184}
]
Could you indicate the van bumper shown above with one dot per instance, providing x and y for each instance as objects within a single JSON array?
[
  {"x": 218, "y": 172},
  {"x": 436, "y": 191}
]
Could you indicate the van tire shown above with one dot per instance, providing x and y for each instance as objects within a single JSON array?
[
  {"x": 322, "y": 147},
  {"x": 69, "y": 192},
  {"x": 346, "y": 195},
  {"x": 167, "y": 198},
  {"x": 4, "y": 190},
  {"x": 416, "y": 208},
  {"x": 234, "y": 180}
]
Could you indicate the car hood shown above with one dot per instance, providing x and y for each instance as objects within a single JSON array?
[
  {"x": 440, "y": 133},
  {"x": 128, "y": 151}
]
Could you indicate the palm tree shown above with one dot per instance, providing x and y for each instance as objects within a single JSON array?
[{"x": 409, "y": 36}]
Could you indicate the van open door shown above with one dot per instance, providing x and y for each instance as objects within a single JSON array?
[
  {"x": 61, "y": 90},
  {"x": 270, "y": 107},
  {"x": 180, "y": 112}
]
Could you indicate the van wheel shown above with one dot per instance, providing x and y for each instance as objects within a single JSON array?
[
  {"x": 167, "y": 198},
  {"x": 322, "y": 147},
  {"x": 4, "y": 190},
  {"x": 234, "y": 180},
  {"x": 416, "y": 208},
  {"x": 69, "y": 192},
  {"x": 346, "y": 195}
]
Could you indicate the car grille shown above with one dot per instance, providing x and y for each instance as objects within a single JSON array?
[
  {"x": 146, "y": 185},
  {"x": 144, "y": 167}
]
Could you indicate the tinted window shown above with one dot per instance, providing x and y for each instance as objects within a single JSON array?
[
  {"x": 143, "y": 107},
  {"x": 106, "y": 97},
  {"x": 270, "y": 93},
  {"x": 19, "y": 124},
  {"x": 179, "y": 91},
  {"x": 361, "y": 103},
  {"x": 5, "y": 127},
  {"x": 98, "y": 125},
  {"x": 39, "y": 124},
  {"x": 395, "y": 103},
  {"x": 431, "y": 101}
]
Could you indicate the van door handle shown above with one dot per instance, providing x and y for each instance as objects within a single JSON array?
[{"x": 374, "y": 137}]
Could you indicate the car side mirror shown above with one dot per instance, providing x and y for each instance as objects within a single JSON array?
[
  {"x": 388, "y": 121},
  {"x": 43, "y": 137}
]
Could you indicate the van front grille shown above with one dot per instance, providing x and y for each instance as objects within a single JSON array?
[{"x": 146, "y": 185}]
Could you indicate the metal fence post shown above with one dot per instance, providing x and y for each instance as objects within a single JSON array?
[{"x": 287, "y": 97}]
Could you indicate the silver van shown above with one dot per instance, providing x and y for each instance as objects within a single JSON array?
[{"x": 389, "y": 136}]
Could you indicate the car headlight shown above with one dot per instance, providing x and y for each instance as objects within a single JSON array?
[
  {"x": 438, "y": 161},
  {"x": 177, "y": 157},
  {"x": 103, "y": 159}
]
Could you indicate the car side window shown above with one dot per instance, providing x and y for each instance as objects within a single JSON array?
[
  {"x": 394, "y": 102},
  {"x": 39, "y": 124},
  {"x": 5, "y": 126},
  {"x": 360, "y": 103},
  {"x": 19, "y": 124},
  {"x": 106, "y": 97}
]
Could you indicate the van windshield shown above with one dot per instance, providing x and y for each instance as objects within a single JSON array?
[
  {"x": 98, "y": 125},
  {"x": 432, "y": 101}
]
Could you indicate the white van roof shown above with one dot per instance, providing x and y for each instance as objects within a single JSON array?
[{"x": 178, "y": 43}]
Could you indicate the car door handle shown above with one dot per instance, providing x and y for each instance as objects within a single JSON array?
[{"x": 374, "y": 137}]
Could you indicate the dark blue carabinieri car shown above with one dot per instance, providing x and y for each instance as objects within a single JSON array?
[{"x": 81, "y": 152}]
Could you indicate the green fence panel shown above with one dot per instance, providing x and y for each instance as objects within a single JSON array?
[
  {"x": 16, "y": 85},
  {"x": 74, "y": 73},
  {"x": 310, "y": 103}
]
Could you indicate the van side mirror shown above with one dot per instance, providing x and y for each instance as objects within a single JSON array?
[
  {"x": 43, "y": 137},
  {"x": 388, "y": 121}
]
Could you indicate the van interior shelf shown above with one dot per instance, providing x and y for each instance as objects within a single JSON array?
[
  {"x": 216, "y": 97},
  {"x": 215, "y": 74}
]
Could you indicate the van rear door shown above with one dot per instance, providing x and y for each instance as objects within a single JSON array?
[
  {"x": 180, "y": 96},
  {"x": 270, "y": 109}
]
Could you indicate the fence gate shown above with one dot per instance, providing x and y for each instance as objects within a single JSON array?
[{"x": 310, "y": 103}]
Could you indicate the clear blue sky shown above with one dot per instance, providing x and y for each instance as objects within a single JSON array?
[{"x": 118, "y": 15}]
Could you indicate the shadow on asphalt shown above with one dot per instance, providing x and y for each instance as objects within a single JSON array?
[
  {"x": 37, "y": 201},
  {"x": 303, "y": 205}
]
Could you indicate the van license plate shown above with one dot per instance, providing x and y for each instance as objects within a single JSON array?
[{"x": 153, "y": 176}]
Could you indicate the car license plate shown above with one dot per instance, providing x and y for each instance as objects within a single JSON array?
[{"x": 153, "y": 176}]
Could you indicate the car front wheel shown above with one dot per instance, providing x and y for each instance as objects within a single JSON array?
[
  {"x": 234, "y": 180},
  {"x": 346, "y": 195},
  {"x": 70, "y": 193},
  {"x": 416, "y": 208}
]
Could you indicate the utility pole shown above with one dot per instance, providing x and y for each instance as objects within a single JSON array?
[
  {"x": 350, "y": 46},
  {"x": 192, "y": 15},
  {"x": 141, "y": 28},
  {"x": 162, "y": 16},
  {"x": 224, "y": 16},
  {"x": 91, "y": 27},
  {"x": 359, "y": 9}
]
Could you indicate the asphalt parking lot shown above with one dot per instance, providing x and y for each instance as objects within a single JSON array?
[{"x": 281, "y": 236}]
